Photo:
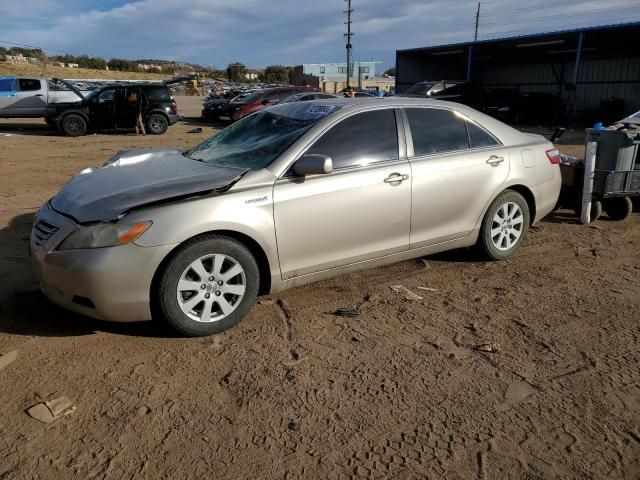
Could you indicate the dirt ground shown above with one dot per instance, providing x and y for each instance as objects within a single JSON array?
[{"x": 294, "y": 391}]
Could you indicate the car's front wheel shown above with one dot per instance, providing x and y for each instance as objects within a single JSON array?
[
  {"x": 504, "y": 226},
  {"x": 207, "y": 287}
]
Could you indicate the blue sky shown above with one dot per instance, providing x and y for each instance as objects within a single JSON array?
[{"x": 260, "y": 32}]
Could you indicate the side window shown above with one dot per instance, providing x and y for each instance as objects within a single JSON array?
[
  {"x": 6, "y": 85},
  {"x": 29, "y": 84},
  {"x": 436, "y": 131},
  {"x": 271, "y": 96},
  {"x": 360, "y": 140},
  {"x": 479, "y": 137},
  {"x": 158, "y": 93},
  {"x": 106, "y": 96}
]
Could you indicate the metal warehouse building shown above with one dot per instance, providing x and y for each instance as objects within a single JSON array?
[{"x": 584, "y": 66}]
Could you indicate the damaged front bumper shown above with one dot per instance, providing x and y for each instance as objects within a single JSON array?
[{"x": 111, "y": 283}]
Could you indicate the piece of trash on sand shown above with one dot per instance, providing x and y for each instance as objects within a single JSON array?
[
  {"x": 408, "y": 294},
  {"x": 195, "y": 130},
  {"x": 49, "y": 411},
  {"x": 8, "y": 358},
  {"x": 428, "y": 289},
  {"x": 488, "y": 347},
  {"x": 347, "y": 312}
]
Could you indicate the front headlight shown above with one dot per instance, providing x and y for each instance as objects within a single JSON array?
[{"x": 107, "y": 235}]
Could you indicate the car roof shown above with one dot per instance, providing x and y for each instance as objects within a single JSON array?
[{"x": 506, "y": 134}]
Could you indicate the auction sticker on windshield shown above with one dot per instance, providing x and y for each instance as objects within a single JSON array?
[{"x": 320, "y": 109}]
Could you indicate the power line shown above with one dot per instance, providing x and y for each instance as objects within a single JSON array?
[
  {"x": 489, "y": 36},
  {"x": 590, "y": 12},
  {"x": 540, "y": 7}
]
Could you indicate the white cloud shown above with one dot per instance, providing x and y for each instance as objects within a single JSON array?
[{"x": 289, "y": 32}]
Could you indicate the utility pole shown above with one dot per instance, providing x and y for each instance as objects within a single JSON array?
[
  {"x": 475, "y": 37},
  {"x": 348, "y": 36},
  {"x": 475, "y": 40}
]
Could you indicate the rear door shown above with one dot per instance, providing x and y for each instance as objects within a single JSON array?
[
  {"x": 32, "y": 97},
  {"x": 358, "y": 212},
  {"x": 8, "y": 96},
  {"x": 457, "y": 168}
]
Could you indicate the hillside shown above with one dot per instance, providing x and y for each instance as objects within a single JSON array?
[{"x": 50, "y": 71}]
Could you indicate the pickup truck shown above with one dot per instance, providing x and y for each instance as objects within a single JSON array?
[{"x": 28, "y": 97}]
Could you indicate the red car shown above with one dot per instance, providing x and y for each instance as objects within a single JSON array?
[{"x": 255, "y": 101}]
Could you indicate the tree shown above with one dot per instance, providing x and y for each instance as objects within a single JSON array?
[
  {"x": 236, "y": 72},
  {"x": 391, "y": 72},
  {"x": 277, "y": 74}
]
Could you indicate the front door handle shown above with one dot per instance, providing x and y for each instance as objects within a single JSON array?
[
  {"x": 396, "y": 178},
  {"x": 495, "y": 160}
]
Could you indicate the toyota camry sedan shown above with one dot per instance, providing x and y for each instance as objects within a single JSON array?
[{"x": 289, "y": 195}]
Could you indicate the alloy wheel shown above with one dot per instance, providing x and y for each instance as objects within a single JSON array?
[
  {"x": 211, "y": 288},
  {"x": 507, "y": 226}
]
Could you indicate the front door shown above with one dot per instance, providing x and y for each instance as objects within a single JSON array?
[
  {"x": 8, "y": 96},
  {"x": 358, "y": 212},
  {"x": 102, "y": 109},
  {"x": 457, "y": 169}
]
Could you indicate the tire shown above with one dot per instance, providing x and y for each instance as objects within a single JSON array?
[
  {"x": 189, "y": 311},
  {"x": 596, "y": 210},
  {"x": 618, "y": 208},
  {"x": 157, "y": 124},
  {"x": 499, "y": 241},
  {"x": 73, "y": 125}
]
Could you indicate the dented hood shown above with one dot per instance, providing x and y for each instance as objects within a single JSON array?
[{"x": 135, "y": 178}]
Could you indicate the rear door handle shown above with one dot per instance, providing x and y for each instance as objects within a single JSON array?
[
  {"x": 396, "y": 178},
  {"x": 495, "y": 160}
]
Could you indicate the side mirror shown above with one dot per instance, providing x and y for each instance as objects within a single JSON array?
[{"x": 313, "y": 165}]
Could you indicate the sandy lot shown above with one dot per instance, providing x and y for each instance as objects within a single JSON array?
[{"x": 297, "y": 392}]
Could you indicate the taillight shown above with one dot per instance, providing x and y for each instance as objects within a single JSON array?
[
  {"x": 554, "y": 156},
  {"x": 174, "y": 107}
]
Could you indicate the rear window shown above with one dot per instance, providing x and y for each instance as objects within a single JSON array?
[
  {"x": 158, "y": 93},
  {"x": 479, "y": 137},
  {"x": 436, "y": 131},
  {"x": 29, "y": 84}
]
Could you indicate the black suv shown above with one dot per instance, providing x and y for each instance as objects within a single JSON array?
[{"x": 111, "y": 108}]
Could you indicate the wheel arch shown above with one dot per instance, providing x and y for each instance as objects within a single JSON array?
[
  {"x": 254, "y": 247},
  {"x": 157, "y": 111},
  {"x": 528, "y": 196},
  {"x": 66, "y": 113}
]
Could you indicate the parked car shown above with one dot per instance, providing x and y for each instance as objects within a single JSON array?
[
  {"x": 29, "y": 97},
  {"x": 189, "y": 237},
  {"x": 109, "y": 108},
  {"x": 430, "y": 88},
  {"x": 214, "y": 106},
  {"x": 258, "y": 100},
  {"x": 306, "y": 96}
]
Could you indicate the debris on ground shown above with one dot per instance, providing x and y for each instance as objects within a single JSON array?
[
  {"x": 408, "y": 294},
  {"x": 472, "y": 326},
  {"x": 346, "y": 312},
  {"x": 8, "y": 358},
  {"x": 49, "y": 411},
  {"x": 195, "y": 130},
  {"x": 488, "y": 347},
  {"x": 428, "y": 289}
]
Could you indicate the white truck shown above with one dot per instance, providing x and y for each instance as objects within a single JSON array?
[{"x": 28, "y": 97}]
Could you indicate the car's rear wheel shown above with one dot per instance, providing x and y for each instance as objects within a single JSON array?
[
  {"x": 504, "y": 226},
  {"x": 157, "y": 124},
  {"x": 207, "y": 287},
  {"x": 73, "y": 125}
]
